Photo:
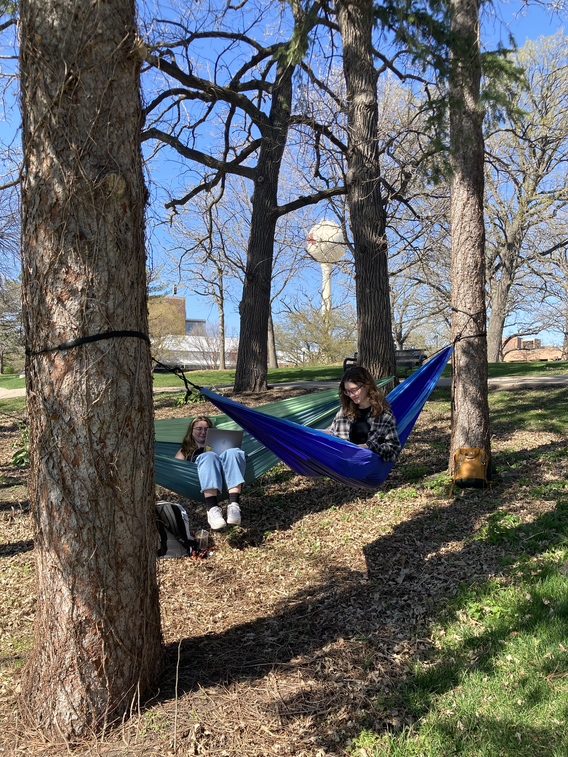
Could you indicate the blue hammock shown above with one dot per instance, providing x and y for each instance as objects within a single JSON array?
[{"x": 313, "y": 453}]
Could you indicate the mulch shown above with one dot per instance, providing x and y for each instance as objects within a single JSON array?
[{"x": 289, "y": 637}]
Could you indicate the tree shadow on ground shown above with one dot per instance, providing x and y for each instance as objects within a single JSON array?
[
  {"x": 16, "y": 548},
  {"x": 269, "y": 505},
  {"x": 351, "y": 633},
  {"x": 408, "y": 571},
  {"x": 7, "y": 505}
]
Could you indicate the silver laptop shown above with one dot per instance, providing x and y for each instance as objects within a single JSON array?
[{"x": 220, "y": 439}]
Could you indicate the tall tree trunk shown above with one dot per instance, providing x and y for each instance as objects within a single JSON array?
[
  {"x": 499, "y": 293},
  {"x": 470, "y": 408},
  {"x": 97, "y": 630},
  {"x": 367, "y": 218},
  {"x": 564, "y": 354},
  {"x": 507, "y": 262},
  {"x": 272, "y": 357},
  {"x": 251, "y": 370},
  {"x": 221, "y": 311}
]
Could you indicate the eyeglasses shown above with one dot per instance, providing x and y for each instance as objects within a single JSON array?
[{"x": 352, "y": 392}]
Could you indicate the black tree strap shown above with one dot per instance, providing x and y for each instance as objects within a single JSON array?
[
  {"x": 180, "y": 374},
  {"x": 93, "y": 338},
  {"x": 460, "y": 338}
]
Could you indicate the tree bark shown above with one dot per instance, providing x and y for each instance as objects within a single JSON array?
[
  {"x": 251, "y": 371},
  {"x": 499, "y": 296},
  {"x": 470, "y": 408},
  {"x": 272, "y": 357},
  {"x": 366, "y": 210},
  {"x": 97, "y": 642},
  {"x": 221, "y": 311},
  {"x": 507, "y": 260}
]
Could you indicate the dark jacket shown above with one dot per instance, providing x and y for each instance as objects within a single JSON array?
[{"x": 383, "y": 436}]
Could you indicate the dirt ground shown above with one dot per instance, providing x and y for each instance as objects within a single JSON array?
[{"x": 289, "y": 637}]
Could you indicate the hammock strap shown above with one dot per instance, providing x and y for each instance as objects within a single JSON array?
[
  {"x": 88, "y": 339},
  {"x": 180, "y": 374}
]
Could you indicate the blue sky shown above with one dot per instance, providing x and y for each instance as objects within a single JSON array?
[
  {"x": 515, "y": 17},
  {"x": 523, "y": 22}
]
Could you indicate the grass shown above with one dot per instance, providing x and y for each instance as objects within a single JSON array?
[
  {"x": 12, "y": 381},
  {"x": 495, "y": 682},
  {"x": 498, "y": 682},
  {"x": 319, "y": 373},
  {"x": 534, "y": 368},
  {"x": 275, "y": 376},
  {"x": 13, "y": 406},
  {"x": 334, "y": 373}
]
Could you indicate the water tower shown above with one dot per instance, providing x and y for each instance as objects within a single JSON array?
[{"x": 326, "y": 245}]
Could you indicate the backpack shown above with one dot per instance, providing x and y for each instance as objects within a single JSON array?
[
  {"x": 472, "y": 468},
  {"x": 176, "y": 539}
]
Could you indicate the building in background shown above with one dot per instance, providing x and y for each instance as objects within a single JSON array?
[
  {"x": 187, "y": 343},
  {"x": 176, "y": 306},
  {"x": 195, "y": 327},
  {"x": 195, "y": 353},
  {"x": 517, "y": 350}
]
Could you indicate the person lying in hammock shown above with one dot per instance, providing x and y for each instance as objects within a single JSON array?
[
  {"x": 212, "y": 468},
  {"x": 365, "y": 417}
]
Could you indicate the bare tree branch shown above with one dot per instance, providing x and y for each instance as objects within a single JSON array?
[{"x": 313, "y": 199}]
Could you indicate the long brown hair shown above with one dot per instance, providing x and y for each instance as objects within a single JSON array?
[
  {"x": 361, "y": 377},
  {"x": 189, "y": 445}
]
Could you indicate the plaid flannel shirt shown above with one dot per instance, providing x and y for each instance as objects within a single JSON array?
[{"x": 383, "y": 436}]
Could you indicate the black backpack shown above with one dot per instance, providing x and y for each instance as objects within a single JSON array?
[{"x": 176, "y": 539}]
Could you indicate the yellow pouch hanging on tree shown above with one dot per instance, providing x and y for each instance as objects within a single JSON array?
[{"x": 472, "y": 469}]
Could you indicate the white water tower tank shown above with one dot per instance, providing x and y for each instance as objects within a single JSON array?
[{"x": 326, "y": 245}]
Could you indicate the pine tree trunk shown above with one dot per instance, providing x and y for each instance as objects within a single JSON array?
[
  {"x": 367, "y": 219},
  {"x": 97, "y": 631},
  {"x": 470, "y": 408},
  {"x": 251, "y": 370}
]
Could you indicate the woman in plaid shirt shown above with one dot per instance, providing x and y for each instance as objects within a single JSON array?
[{"x": 365, "y": 417}]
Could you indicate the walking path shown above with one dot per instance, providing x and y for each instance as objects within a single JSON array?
[{"x": 506, "y": 383}]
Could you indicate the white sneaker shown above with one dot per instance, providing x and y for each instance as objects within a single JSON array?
[
  {"x": 215, "y": 518},
  {"x": 233, "y": 514}
]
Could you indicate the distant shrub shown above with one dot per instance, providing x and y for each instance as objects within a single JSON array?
[{"x": 9, "y": 369}]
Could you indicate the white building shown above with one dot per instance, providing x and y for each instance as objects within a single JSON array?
[{"x": 193, "y": 353}]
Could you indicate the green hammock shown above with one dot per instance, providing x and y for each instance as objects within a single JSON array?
[{"x": 315, "y": 410}]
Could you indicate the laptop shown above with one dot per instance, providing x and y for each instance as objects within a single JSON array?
[{"x": 220, "y": 439}]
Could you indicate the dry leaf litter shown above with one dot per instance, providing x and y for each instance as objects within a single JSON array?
[{"x": 287, "y": 638}]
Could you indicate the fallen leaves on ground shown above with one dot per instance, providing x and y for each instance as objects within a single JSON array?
[{"x": 289, "y": 637}]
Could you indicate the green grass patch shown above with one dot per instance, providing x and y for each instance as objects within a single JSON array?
[
  {"x": 12, "y": 382},
  {"x": 496, "y": 682},
  {"x": 413, "y": 472},
  {"x": 533, "y": 368},
  {"x": 334, "y": 373},
  {"x": 534, "y": 410},
  {"x": 275, "y": 376},
  {"x": 316, "y": 373},
  {"x": 13, "y": 406}
]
